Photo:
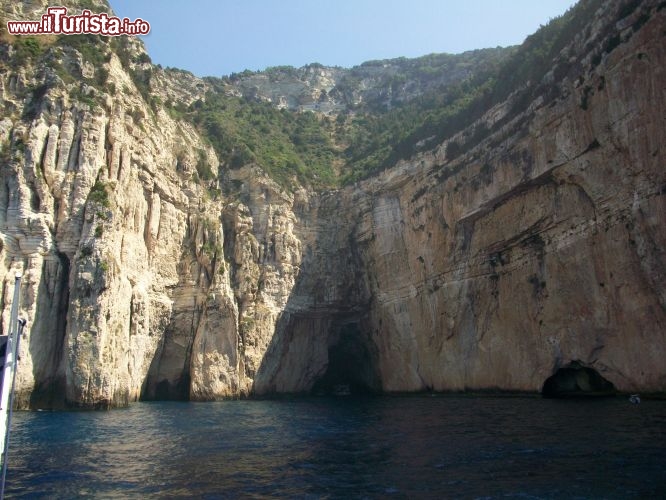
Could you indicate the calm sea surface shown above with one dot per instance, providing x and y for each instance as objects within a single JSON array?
[{"x": 384, "y": 447}]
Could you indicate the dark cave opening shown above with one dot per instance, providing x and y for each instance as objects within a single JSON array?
[
  {"x": 166, "y": 390},
  {"x": 576, "y": 380},
  {"x": 351, "y": 365}
]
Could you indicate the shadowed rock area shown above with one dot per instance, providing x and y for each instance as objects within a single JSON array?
[
  {"x": 577, "y": 381},
  {"x": 351, "y": 365}
]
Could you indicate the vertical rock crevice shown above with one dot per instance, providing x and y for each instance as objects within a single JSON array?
[
  {"x": 47, "y": 335},
  {"x": 198, "y": 357}
]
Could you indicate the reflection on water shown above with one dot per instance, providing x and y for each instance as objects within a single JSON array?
[{"x": 401, "y": 447}]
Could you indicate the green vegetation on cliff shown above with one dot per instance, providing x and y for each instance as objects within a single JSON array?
[
  {"x": 379, "y": 140},
  {"x": 326, "y": 151},
  {"x": 368, "y": 136},
  {"x": 379, "y": 112},
  {"x": 288, "y": 146}
]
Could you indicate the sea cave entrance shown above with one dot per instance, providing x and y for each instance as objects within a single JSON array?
[
  {"x": 351, "y": 364},
  {"x": 576, "y": 380}
]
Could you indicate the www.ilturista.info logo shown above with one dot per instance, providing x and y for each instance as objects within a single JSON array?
[{"x": 57, "y": 22}]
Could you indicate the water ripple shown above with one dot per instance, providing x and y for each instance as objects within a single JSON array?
[{"x": 408, "y": 447}]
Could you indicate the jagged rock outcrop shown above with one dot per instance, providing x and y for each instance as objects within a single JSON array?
[
  {"x": 117, "y": 238},
  {"x": 371, "y": 85},
  {"x": 146, "y": 277}
]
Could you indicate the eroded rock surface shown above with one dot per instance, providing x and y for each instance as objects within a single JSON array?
[{"x": 540, "y": 246}]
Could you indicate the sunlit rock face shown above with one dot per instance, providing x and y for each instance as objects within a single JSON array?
[
  {"x": 144, "y": 277},
  {"x": 541, "y": 246}
]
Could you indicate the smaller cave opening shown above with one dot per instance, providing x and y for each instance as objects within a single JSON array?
[
  {"x": 576, "y": 380},
  {"x": 351, "y": 366},
  {"x": 167, "y": 390}
]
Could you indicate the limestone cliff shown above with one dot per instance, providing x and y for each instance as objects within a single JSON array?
[
  {"x": 104, "y": 213},
  {"x": 541, "y": 247},
  {"x": 152, "y": 272},
  {"x": 373, "y": 84}
]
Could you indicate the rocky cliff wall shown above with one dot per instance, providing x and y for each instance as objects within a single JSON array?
[
  {"x": 144, "y": 277},
  {"x": 139, "y": 278},
  {"x": 541, "y": 247}
]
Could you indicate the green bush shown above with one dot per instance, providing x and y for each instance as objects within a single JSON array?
[
  {"x": 203, "y": 168},
  {"x": 92, "y": 48},
  {"x": 25, "y": 49},
  {"x": 99, "y": 194}
]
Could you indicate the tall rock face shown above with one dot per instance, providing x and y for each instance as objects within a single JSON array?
[
  {"x": 540, "y": 248},
  {"x": 150, "y": 271},
  {"x": 106, "y": 212}
]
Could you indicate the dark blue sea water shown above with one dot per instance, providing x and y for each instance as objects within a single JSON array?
[{"x": 385, "y": 447}]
